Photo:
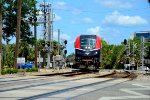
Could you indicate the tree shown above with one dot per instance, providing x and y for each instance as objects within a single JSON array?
[
  {"x": 0, "y": 35},
  {"x": 9, "y": 20},
  {"x": 8, "y": 55},
  {"x": 19, "y": 4}
]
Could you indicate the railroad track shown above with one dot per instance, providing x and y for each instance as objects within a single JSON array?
[
  {"x": 110, "y": 75},
  {"x": 116, "y": 74},
  {"x": 67, "y": 74},
  {"x": 55, "y": 74},
  {"x": 106, "y": 75},
  {"x": 75, "y": 74},
  {"x": 64, "y": 90}
]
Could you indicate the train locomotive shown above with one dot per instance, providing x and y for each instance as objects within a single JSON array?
[{"x": 88, "y": 52}]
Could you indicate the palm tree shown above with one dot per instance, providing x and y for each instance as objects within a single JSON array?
[{"x": 19, "y": 4}]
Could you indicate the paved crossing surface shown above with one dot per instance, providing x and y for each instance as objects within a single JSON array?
[{"x": 65, "y": 88}]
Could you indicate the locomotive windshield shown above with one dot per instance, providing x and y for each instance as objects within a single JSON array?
[{"x": 87, "y": 42}]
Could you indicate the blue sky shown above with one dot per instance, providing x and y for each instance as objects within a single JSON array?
[{"x": 112, "y": 20}]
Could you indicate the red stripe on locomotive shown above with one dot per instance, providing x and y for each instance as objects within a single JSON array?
[
  {"x": 98, "y": 42},
  {"x": 77, "y": 42}
]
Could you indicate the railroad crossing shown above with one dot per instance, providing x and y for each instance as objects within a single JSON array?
[{"x": 78, "y": 87}]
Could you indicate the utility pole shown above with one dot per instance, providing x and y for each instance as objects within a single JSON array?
[
  {"x": 49, "y": 38},
  {"x": 134, "y": 46},
  {"x": 142, "y": 51},
  {"x": 46, "y": 50},
  {"x": 44, "y": 32},
  {"x": 35, "y": 35},
  {"x": 52, "y": 45},
  {"x": 58, "y": 41},
  {"x": 133, "y": 53},
  {"x": 1, "y": 35},
  {"x": 52, "y": 29},
  {"x": 127, "y": 54}
]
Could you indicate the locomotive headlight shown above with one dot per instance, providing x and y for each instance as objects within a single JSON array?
[{"x": 96, "y": 52}]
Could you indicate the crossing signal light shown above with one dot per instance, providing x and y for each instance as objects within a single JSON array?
[
  {"x": 35, "y": 19},
  {"x": 65, "y": 42},
  {"x": 43, "y": 44},
  {"x": 65, "y": 51},
  {"x": 48, "y": 43},
  {"x": 125, "y": 42},
  {"x": 30, "y": 19}
]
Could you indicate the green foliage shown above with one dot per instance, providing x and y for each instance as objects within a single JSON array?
[
  {"x": 8, "y": 55},
  {"x": 24, "y": 50},
  {"x": 31, "y": 69},
  {"x": 9, "y": 19},
  {"x": 9, "y": 71},
  {"x": 14, "y": 71},
  {"x": 112, "y": 55}
]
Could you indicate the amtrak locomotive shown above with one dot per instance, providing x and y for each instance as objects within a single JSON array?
[{"x": 88, "y": 52}]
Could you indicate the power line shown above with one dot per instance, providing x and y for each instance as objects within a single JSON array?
[{"x": 104, "y": 11}]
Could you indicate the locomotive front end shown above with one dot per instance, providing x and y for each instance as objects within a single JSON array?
[{"x": 87, "y": 51}]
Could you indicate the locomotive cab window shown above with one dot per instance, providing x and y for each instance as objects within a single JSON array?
[{"x": 88, "y": 43}]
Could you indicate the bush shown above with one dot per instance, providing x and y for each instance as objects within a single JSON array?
[
  {"x": 28, "y": 70},
  {"x": 34, "y": 69},
  {"x": 13, "y": 71},
  {"x": 9, "y": 71},
  {"x": 3, "y": 72}
]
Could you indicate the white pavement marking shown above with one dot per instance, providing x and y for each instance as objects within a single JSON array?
[{"x": 131, "y": 91}]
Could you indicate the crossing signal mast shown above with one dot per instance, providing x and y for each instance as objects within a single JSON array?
[
  {"x": 127, "y": 54},
  {"x": 47, "y": 32}
]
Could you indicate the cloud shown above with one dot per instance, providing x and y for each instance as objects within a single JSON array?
[
  {"x": 115, "y": 3},
  {"x": 60, "y": 5},
  {"x": 94, "y": 30},
  {"x": 123, "y": 20},
  {"x": 64, "y": 6},
  {"x": 57, "y": 18},
  {"x": 65, "y": 37},
  {"x": 88, "y": 20},
  {"x": 62, "y": 36}
]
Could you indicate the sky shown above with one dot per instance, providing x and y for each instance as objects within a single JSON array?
[{"x": 112, "y": 20}]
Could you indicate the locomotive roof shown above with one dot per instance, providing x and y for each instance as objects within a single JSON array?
[{"x": 88, "y": 36}]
